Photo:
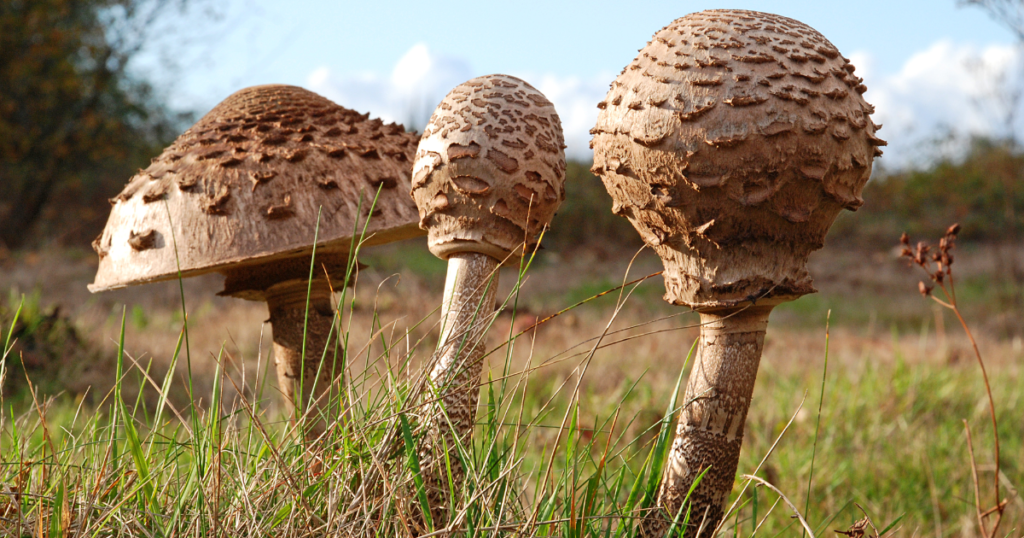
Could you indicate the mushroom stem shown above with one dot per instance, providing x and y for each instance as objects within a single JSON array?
[
  {"x": 470, "y": 290},
  {"x": 297, "y": 376},
  {"x": 710, "y": 429}
]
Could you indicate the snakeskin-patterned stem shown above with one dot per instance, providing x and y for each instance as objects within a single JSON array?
[
  {"x": 469, "y": 297},
  {"x": 287, "y": 304},
  {"x": 710, "y": 429}
]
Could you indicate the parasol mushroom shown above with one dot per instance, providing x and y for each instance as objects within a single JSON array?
[
  {"x": 239, "y": 193},
  {"x": 731, "y": 143},
  {"x": 488, "y": 177}
]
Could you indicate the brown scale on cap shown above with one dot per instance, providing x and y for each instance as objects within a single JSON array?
[
  {"x": 730, "y": 128},
  {"x": 490, "y": 168},
  {"x": 244, "y": 184},
  {"x": 731, "y": 143},
  {"x": 488, "y": 177},
  {"x": 240, "y": 193}
]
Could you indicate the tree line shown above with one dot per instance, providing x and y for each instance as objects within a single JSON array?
[{"x": 76, "y": 122}]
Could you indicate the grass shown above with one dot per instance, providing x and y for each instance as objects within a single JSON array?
[{"x": 568, "y": 443}]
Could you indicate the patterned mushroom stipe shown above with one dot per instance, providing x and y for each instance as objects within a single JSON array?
[
  {"x": 490, "y": 169},
  {"x": 731, "y": 143},
  {"x": 244, "y": 185}
]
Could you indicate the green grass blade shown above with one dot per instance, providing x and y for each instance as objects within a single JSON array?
[
  {"x": 302, "y": 406},
  {"x": 14, "y": 322},
  {"x": 589, "y": 499},
  {"x": 634, "y": 493},
  {"x": 686, "y": 504},
  {"x": 58, "y": 506},
  {"x": 215, "y": 409},
  {"x": 131, "y": 434},
  {"x": 7, "y": 347},
  {"x": 165, "y": 389},
  {"x": 891, "y": 525},
  {"x": 817, "y": 425},
  {"x": 663, "y": 443},
  {"x": 414, "y": 468},
  {"x": 184, "y": 310}
]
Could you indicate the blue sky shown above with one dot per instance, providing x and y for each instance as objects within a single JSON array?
[{"x": 929, "y": 65}]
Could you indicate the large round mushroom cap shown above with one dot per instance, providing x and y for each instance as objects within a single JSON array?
[
  {"x": 731, "y": 143},
  {"x": 243, "y": 186},
  {"x": 490, "y": 169}
]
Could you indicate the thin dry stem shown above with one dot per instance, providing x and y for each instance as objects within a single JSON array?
[
  {"x": 938, "y": 267},
  {"x": 796, "y": 512}
]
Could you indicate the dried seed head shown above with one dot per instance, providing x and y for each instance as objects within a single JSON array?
[
  {"x": 858, "y": 529},
  {"x": 905, "y": 239},
  {"x": 921, "y": 253},
  {"x": 924, "y": 289},
  {"x": 953, "y": 230}
]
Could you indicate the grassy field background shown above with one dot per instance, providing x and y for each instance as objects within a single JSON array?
[
  {"x": 900, "y": 380},
  {"x": 574, "y": 415}
]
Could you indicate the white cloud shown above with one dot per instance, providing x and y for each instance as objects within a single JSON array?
[
  {"x": 418, "y": 82},
  {"x": 941, "y": 96},
  {"x": 947, "y": 92},
  {"x": 421, "y": 78},
  {"x": 575, "y": 100}
]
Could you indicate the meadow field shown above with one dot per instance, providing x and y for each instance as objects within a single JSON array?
[
  {"x": 570, "y": 416},
  {"x": 154, "y": 411}
]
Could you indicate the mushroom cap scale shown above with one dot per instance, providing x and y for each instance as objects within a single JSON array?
[
  {"x": 490, "y": 169},
  {"x": 731, "y": 143},
  {"x": 243, "y": 187}
]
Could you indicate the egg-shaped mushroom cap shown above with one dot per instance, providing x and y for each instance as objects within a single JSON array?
[
  {"x": 243, "y": 187},
  {"x": 490, "y": 169},
  {"x": 731, "y": 143}
]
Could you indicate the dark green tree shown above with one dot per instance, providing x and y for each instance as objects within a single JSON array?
[{"x": 74, "y": 120}]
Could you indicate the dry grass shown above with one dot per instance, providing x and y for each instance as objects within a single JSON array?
[{"x": 900, "y": 378}]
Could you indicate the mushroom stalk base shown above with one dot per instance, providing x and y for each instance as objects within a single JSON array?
[
  {"x": 304, "y": 382},
  {"x": 710, "y": 429},
  {"x": 467, "y": 309}
]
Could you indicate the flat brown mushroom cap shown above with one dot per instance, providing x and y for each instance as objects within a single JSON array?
[
  {"x": 243, "y": 186},
  {"x": 731, "y": 143},
  {"x": 490, "y": 169}
]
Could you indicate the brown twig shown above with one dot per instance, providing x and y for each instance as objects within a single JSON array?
[
  {"x": 991, "y": 409},
  {"x": 974, "y": 476},
  {"x": 868, "y": 518}
]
